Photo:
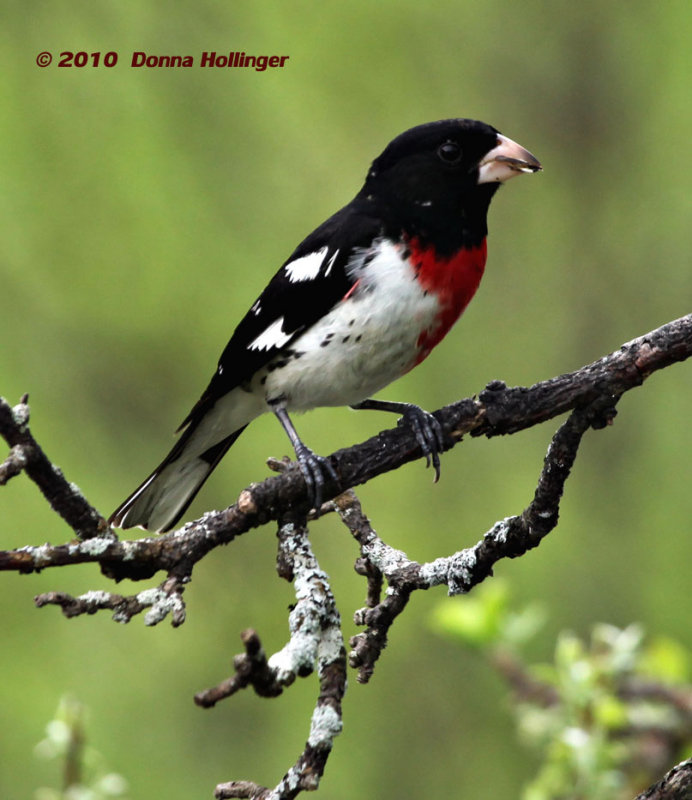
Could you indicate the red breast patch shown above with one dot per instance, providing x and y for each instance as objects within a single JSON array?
[{"x": 453, "y": 279}]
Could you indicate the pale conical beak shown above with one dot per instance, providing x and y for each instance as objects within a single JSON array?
[{"x": 505, "y": 161}]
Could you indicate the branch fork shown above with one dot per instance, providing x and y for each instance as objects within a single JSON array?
[{"x": 589, "y": 394}]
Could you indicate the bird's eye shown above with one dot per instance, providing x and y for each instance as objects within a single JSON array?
[{"x": 449, "y": 152}]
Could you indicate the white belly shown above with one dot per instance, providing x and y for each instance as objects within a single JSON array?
[{"x": 364, "y": 343}]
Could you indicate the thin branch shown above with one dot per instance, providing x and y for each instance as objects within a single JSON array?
[
  {"x": 316, "y": 640},
  {"x": 12, "y": 465},
  {"x": 678, "y": 697},
  {"x": 251, "y": 669},
  {"x": 162, "y": 600},
  {"x": 64, "y": 498},
  {"x": 461, "y": 571}
]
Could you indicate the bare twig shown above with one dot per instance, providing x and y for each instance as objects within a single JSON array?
[
  {"x": 163, "y": 600},
  {"x": 315, "y": 640},
  {"x": 461, "y": 571},
  {"x": 12, "y": 465},
  {"x": 64, "y": 498},
  {"x": 251, "y": 669}
]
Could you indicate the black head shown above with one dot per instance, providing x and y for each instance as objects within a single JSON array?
[{"x": 435, "y": 181}]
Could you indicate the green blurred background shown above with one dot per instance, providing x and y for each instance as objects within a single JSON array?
[{"x": 142, "y": 212}]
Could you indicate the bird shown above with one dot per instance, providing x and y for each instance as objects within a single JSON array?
[{"x": 362, "y": 300}]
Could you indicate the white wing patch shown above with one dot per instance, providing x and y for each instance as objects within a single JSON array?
[
  {"x": 273, "y": 336},
  {"x": 331, "y": 263},
  {"x": 306, "y": 268}
]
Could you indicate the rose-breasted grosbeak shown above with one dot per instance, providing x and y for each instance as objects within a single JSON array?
[{"x": 363, "y": 299}]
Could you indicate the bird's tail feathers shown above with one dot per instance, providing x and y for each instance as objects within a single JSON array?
[
  {"x": 165, "y": 495},
  {"x": 209, "y": 430}
]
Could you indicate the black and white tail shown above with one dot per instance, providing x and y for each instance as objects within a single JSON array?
[
  {"x": 164, "y": 496},
  {"x": 209, "y": 430}
]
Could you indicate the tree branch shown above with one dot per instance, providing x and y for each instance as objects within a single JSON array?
[
  {"x": 675, "y": 785},
  {"x": 64, "y": 498},
  {"x": 461, "y": 571},
  {"x": 316, "y": 639},
  {"x": 164, "y": 600},
  {"x": 590, "y": 394},
  {"x": 497, "y": 410}
]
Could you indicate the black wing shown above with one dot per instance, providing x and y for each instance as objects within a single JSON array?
[{"x": 308, "y": 285}]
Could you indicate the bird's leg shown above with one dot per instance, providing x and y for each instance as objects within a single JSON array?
[
  {"x": 425, "y": 427},
  {"x": 314, "y": 468}
]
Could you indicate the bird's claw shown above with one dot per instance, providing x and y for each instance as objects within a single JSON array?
[
  {"x": 315, "y": 469},
  {"x": 429, "y": 435}
]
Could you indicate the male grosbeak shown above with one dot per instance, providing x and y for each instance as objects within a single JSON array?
[{"x": 362, "y": 300}]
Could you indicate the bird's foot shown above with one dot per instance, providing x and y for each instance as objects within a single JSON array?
[
  {"x": 427, "y": 430},
  {"x": 428, "y": 433},
  {"x": 317, "y": 471}
]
